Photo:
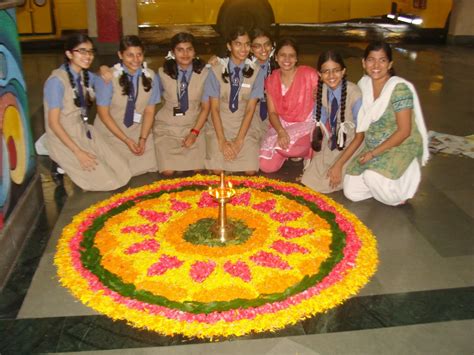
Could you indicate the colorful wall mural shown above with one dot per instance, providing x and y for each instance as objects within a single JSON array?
[{"x": 16, "y": 148}]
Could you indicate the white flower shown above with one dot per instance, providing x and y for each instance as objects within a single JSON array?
[
  {"x": 272, "y": 52},
  {"x": 170, "y": 56},
  {"x": 146, "y": 71},
  {"x": 118, "y": 70},
  {"x": 249, "y": 63},
  {"x": 91, "y": 92},
  {"x": 224, "y": 62}
]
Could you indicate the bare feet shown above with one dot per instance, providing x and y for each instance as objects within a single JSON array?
[{"x": 167, "y": 172}]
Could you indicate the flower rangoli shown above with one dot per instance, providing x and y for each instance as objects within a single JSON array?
[{"x": 145, "y": 256}]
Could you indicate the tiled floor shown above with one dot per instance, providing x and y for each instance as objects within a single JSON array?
[{"x": 419, "y": 302}]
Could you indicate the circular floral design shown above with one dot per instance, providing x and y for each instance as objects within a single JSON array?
[{"x": 127, "y": 257}]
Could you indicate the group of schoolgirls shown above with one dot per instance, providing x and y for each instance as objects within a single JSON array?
[{"x": 243, "y": 113}]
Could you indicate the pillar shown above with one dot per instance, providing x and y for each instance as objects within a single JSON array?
[{"x": 461, "y": 26}]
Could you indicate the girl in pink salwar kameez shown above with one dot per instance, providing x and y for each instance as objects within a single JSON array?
[{"x": 290, "y": 107}]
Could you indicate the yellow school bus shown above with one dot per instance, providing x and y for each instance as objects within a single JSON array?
[
  {"x": 50, "y": 18},
  {"x": 227, "y": 13}
]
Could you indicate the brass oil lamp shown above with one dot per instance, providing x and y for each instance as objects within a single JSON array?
[{"x": 222, "y": 194}]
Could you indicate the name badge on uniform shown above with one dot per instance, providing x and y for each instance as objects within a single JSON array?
[
  {"x": 245, "y": 85},
  {"x": 137, "y": 117},
  {"x": 177, "y": 112}
]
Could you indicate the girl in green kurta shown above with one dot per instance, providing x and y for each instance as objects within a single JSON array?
[{"x": 396, "y": 144}]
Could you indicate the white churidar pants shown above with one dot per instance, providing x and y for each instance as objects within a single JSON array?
[{"x": 390, "y": 192}]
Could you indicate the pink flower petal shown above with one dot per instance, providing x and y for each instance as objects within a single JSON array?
[
  {"x": 238, "y": 269},
  {"x": 242, "y": 199},
  {"x": 143, "y": 229},
  {"x": 263, "y": 258},
  {"x": 288, "y": 248},
  {"x": 201, "y": 270},
  {"x": 164, "y": 264},
  {"x": 290, "y": 232},
  {"x": 265, "y": 206},
  {"x": 147, "y": 245},
  {"x": 285, "y": 216},
  {"x": 153, "y": 216},
  {"x": 179, "y": 205}
]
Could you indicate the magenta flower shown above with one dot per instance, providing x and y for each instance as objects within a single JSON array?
[
  {"x": 290, "y": 232},
  {"x": 147, "y": 245},
  {"x": 238, "y": 269},
  {"x": 242, "y": 199},
  {"x": 285, "y": 216},
  {"x": 266, "y": 206},
  {"x": 207, "y": 200},
  {"x": 288, "y": 248},
  {"x": 179, "y": 205},
  {"x": 153, "y": 216},
  {"x": 201, "y": 270},
  {"x": 263, "y": 258},
  {"x": 143, "y": 229},
  {"x": 164, "y": 264}
]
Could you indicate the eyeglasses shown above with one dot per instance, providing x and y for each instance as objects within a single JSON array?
[
  {"x": 331, "y": 71},
  {"x": 84, "y": 51}
]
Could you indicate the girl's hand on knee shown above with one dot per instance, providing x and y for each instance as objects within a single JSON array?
[
  {"x": 237, "y": 146},
  {"x": 364, "y": 158},
  {"x": 283, "y": 139},
  {"x": 87, "y": 160},
  {"x": 335, "y": 176},
  {"x": 141, "y": 146},
  {"x": 228, "y": 151},
  {"x": 132, "y": 146},
  {"x": 189, "y": 140}
]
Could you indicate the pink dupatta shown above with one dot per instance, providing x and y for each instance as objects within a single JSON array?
[{"x": 297, "y": 103}]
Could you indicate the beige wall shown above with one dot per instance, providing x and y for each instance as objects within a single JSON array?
[{"x": 462, "y": 18}]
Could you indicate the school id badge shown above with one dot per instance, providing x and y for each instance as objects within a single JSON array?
[
  {"x": 177, "y": 111},
  {"x": 137, "y": 117}
]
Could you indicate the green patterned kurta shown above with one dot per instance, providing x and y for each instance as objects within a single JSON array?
[{"x": 393, "y": 162}]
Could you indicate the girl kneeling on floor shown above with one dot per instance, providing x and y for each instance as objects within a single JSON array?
[
  {"x": 334, "y": 139},
  {"x": 72, "y": 143}
]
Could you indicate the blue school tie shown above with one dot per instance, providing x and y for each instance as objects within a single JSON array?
[
  {"x": 263, "y": 104},
  {"x": 234, "y": 90},
  {"x": 130, "y": 108},
  {"x": 183, "y": 93},
  {"x": 333, "y": 121}
]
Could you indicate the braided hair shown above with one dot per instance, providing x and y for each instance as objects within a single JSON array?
[
  {"x": 317, "y": 133},
  {"x": 70, "y": 44},
  {"x": 170, "y": 66},
  {"x": 125, "y": 43},
  {"x": 236, "y": 32},
  {"x": 343, "y": 109},
  {"x": 317, "y": 140}
]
